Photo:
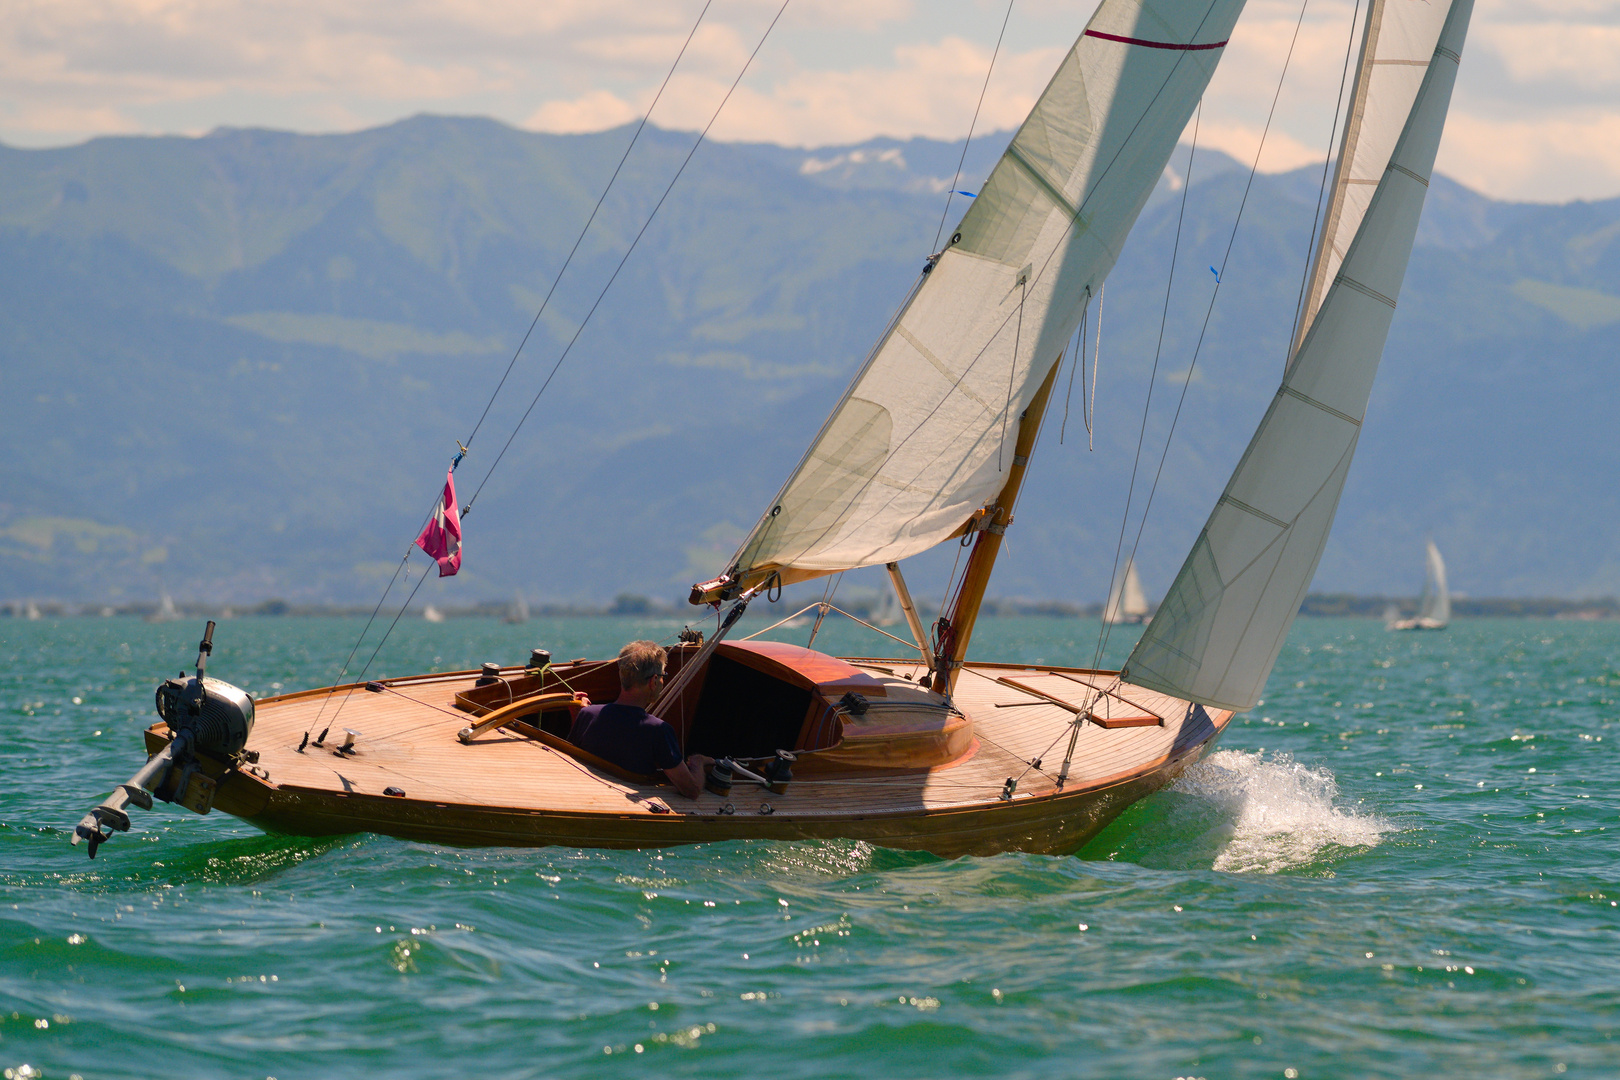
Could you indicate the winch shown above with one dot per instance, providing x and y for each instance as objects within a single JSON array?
[{"x": 207, "y": 716}]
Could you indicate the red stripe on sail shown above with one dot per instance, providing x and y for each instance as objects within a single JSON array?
[{"x": 1153, "y": 44}]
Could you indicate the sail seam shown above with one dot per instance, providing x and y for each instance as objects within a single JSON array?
[
  {"x": 1095, "y": 187},
  {"x": 1407, "y": 63},
  {"x": 928, "y": 355},
  {"x": 1261, "y": 514},
  {"x": 1403, "y": 169},
  {"x": 1299, "y": 594},
  {"x": 1330, "y": 254},
  {"x": 1039, "y": 177},
  {"x": 1364, "y": 290},
  {"x": 1449, "y": 54},
  {"x": 1145, "y": 43},
  {"x": 1307, "y": 399}
]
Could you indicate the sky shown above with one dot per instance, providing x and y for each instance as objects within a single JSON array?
[{"x": 1536, "y": 116}]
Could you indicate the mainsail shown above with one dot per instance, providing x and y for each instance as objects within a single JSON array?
[
  {"x": 1218, "y": 631},
  {"x": 924, "y": 436}
]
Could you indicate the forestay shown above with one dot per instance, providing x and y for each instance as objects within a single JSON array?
[
  {"x": 1217, "y": 633},
  {"x": 1395, "y": 54},
  {"x": 924, "y": 435}
]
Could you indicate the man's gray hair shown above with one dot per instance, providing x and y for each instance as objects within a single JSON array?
[{"x": 639, "y": 662}]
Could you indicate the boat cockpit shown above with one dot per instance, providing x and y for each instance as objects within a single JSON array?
[{"x": 751, "y": 700}]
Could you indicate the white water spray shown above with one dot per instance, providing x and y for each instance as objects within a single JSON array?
[{"x": 1278, "y": 814}]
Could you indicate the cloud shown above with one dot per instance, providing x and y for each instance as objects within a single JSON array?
[
  {"x": 1541, "y": 73},
  {"x": 1552, "y": 158},
  {"x": 594, "y": 111},
  {"x": 926, "y": 89},
  {"x": 1557, "y": 53}
]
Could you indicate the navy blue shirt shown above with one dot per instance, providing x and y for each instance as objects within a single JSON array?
[{"x": 628, "y": 736}]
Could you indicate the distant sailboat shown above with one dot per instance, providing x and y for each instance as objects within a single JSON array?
[
  {"x": 165, "y": 611},
  {"x": 886, "y": 612},
  {"x": 1434, "y": 610},
  {"x": 31, "y": 611},
  {"x": 518, "y": 612},
  {"x": 432, "y": 614},
  {"x": 1126, "y": 602}
]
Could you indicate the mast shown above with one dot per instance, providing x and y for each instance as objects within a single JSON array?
[{"x": 998, "y": 515}]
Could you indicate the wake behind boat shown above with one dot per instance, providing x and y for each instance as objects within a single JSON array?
[{"x": 929, "y": 445}]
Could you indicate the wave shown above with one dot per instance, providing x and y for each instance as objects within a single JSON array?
[{"x": 1274, "y": 813}]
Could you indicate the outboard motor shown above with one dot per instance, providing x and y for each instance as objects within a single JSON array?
[{"x": 206, "y": 716}]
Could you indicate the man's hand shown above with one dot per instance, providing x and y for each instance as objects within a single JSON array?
[{"x": 688, "y": 775}]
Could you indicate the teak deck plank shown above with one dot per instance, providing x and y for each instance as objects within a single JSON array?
[{"x": 407, "y": 739}]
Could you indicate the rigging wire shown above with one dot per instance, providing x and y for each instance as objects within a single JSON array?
[
  {"x": 1209, "y": 310},
  {"x": 564, "y": 356},
  {"x": 1096, "y": 363},
  {"x": 922, "y": 422},
  {"x": 1316, "y": 218},
  {"x": 464, "y": 447},
  {"x": 1153, "y": 377},
  {"x": 372, "y": 658},
  {"x": 1012, "y": 368},
  {"x": 1079, "y": 361},
  {"x": 588, "y": 222},
  {"x": 957, "y": 179},
  {"x": 625, "y": 258},
  {"x": 827, "y": 593}
]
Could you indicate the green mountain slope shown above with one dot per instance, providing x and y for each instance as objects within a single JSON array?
[{"x": 236, "y": 366}]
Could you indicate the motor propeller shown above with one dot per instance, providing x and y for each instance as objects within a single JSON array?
[{"x": 207, "y": 717}]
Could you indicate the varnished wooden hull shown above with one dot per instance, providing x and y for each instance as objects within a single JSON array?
[{"x": 526, "y": 794}]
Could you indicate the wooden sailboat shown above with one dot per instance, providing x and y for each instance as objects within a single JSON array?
[
  {"x": 930, "y": 444},
  {"x": 1127, "y": 603},
  {"x": 1434, "y": 609}
]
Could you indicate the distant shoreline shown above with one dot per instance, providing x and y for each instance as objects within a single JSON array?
[{"x": 1333, "y": 605}]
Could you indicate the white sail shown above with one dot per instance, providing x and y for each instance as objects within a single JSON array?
[
  {"x": 1395, "y": 54},
  {"x": 1436, "y": 606},
  {"x": 1218, "y": 631},
  {"x": 1126, "y": 601},
  {"x": 924, "y": 435}
]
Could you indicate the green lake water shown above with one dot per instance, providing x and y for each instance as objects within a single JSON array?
[{"x": 1401, "y": 864}]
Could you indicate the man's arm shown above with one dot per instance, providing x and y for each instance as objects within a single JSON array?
[{"x": 687, "y": 776}]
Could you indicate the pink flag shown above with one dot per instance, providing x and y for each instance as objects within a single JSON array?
[{"x": 442, "y": 537}]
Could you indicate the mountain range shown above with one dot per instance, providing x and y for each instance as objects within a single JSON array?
[{"x": 236, "y": 366}]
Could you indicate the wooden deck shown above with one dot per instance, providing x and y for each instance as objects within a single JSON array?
[{"x": 506, "y": 788}]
